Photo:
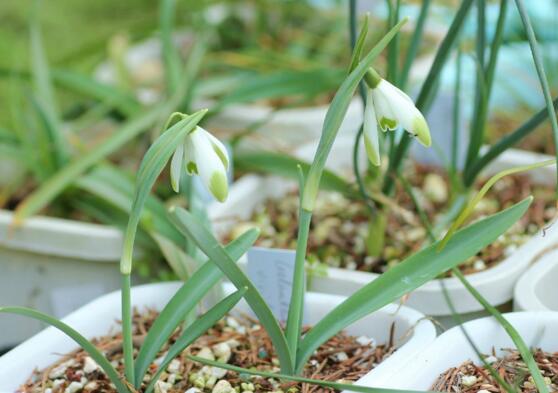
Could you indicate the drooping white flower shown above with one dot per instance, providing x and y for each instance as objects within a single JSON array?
[
  {"x": 394, "y": 108},
  {"x": 204, "y": 155}
]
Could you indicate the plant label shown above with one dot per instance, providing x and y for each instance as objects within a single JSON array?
[{"x": 271, "y": 270}]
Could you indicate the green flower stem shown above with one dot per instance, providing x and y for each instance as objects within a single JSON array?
[
  {"x": 537, "y": 58},
  {"x": 127, "y": 342},
  {"x": 428, "y": 88},
  {"x": 415, "y": 43},
  {"x": 296, "y": 306}
]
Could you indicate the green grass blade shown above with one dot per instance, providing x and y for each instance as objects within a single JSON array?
[
  {"x": 51, "y": 188},
  {"x": 360, "y": 41},
  {"x": 190, "y": 226},
  {"x": 415, "y": 43},
  {"x": 90, "y": 87},
  {"x": 326, "y": 384},
  {"x": 195, "y": 330},
  {"x": 466, "y": 212},
  {"x": 413, "y": 272},
  {"x": 512, "y": 332},
  {"x": 335, "y": 115},
  {"x": 87, "y": 346},
  {"x": 171, "y": 57},
  {"x": 152, "y": 164},
  {"x": 286, "y": 166},
  {"x": 185, "y": 299},
  {"x": 427, "y": 90},
  {"x": 506, "y": 142},
  {"x": 537, "y": 58}
]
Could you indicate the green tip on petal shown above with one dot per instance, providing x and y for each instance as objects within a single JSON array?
[
  {"x": 422, "y": 132},
  {"x": 218, "y": 186},
  {"x": 372, "y": 154},
  {"x": 387, "y": 124}
]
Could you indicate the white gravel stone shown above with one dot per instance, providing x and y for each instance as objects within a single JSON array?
[
  {"x": 89, "y": 365},
  {"x": 193, "y": 390},
  {"x": 162, "y": 387},
  {"x": 468, "y": 380},
  {"x": 365, "y": 340},
  {"x": 340, "y": 356},
  {"x": 490, "y": 359},
  {"x": 74, "y": 387},
  {"x": 174, "y": 366},
  {"x": 223, "y": 386},
  {"x": 206, "y": 353},
  {"x": 222, "y": 351},
  {"x": 60, "y": 370}
]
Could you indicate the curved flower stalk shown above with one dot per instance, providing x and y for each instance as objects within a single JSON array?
[
  {"x": 389, "y": 108},
  {"x": 204, "y": 155}
]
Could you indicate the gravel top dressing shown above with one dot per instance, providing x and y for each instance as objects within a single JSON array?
[
  {"x": 469, "y": 377},
  {"x": 237, "y": 340},
  {"x": 339, "y": 235}
]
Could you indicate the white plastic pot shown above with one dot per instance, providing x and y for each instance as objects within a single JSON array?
[
  {"x": 496, "y": 283},
  {"x": 536, "y": 290},
  {"x": 55, "y": 266},
  {"x": 412, "y": 332},
  {"x": 451, "y": 349}
]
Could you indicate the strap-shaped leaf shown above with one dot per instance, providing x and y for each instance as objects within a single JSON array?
[
  {"x": 87, "y": 346},
  {"x": 184, "y": 300},
  {"x": 196, "y": 329},
  {"x": 410, "y": 274},
  {"x": 191, "y": 226}
]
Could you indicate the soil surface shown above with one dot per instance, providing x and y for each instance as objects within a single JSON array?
[
  {"x": 237, "y": 340},
  {"x": 340, "y": 234},
  {"x": 469, "y": 377}
]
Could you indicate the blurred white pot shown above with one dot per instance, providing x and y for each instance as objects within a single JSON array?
[
  {"x": 496, "y": 283},
  {"x": 536, "y": 290},
  {"x": 55, "y": 266},
  {"x": 412, "y": 332},
  {"x": 450, "y": 349}
]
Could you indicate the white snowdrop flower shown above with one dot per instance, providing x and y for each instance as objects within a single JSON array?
[
  {"x": 204, "y": 155},
  {"x": 388, "y": 107}
]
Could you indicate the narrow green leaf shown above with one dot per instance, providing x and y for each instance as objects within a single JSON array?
[
  {"x": 413, "y": 272},
  {"x": 191, "y": 226},
  {"x": 185, "y": 299},
  {"x": 416, "y": 40},
  {"x": 512, "y": 332},
  {"x": 469, "y": 208},
  {"x": 427, "y": 90},
  {"x": 87, "y": 346},
  {"x": 52, "y": 187},
  {"x": 195, "y": 330},
  {"x": 359, "y": 45},
  {"x": 171, "y": 57},
  {"x": 90, "y": 87},
  {"x": 506, "y": 142},
  {"x": 537, "y": 58}
]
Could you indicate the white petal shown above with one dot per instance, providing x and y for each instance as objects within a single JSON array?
[
  {"x": 219, "y": 148},
  {"x": 385, "y": 113},
  {"x": 176, "y": 167},
  {"x": 189, "y": 157},
  {"x": 210, "y": 167},
  {"x": 406, "y": 113},
  {"x": 371, "y": 141}
]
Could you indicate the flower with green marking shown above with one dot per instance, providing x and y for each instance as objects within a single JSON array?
[
  {"x": 204, "y": 155},
  {"x": 389, "y": 108}
]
